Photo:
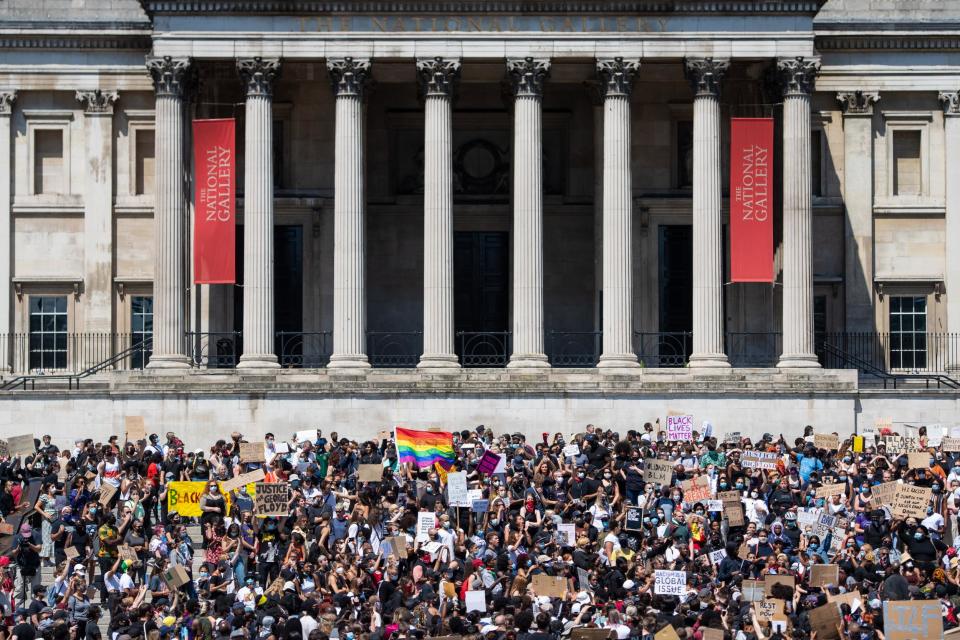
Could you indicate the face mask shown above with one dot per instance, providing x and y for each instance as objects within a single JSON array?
[
  {"x": 607, "y": 476},
  {"x": 791, "y": 524},
  {"x": 843, "y": 478},
  {"x": 494, "y": 522},
  {"x": 581, "y": 475},
  {"x": 936, "y": 488},
  {"x": 429, "y": 489},
  {"x": 847, "y": 460},
  {"x": 739, "y": 486},
  {"x": 918, "y": 535},
  {"x": 214, "y": 489},
  {"x": 723, "y": 485},
  {"x": 753, "y": 494},
  {"x": 763, "y": 541},
  {"x": 929, "y": 511},
  {"x": 654, "y": 520},
  {"x": 446, "y": 525},
  {"x": 699, "y": 513},
  {"x": 204, "y": 576}
]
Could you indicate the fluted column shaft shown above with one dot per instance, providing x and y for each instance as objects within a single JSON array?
[
  {"x": 7, "y": 99},
  {"x": 170, "y": 76},
  {"x": 951, "y": 131},
  {"x": 797, "y": 76},
  {"x": 527, "y": 76},
  {"x": 258, "y": 76},
  {"x": 437, "y": 78},
  {"x": 616, "y": 80},
  {"x": 705, "y": 76},
  {"x": 349, "y": 76}
]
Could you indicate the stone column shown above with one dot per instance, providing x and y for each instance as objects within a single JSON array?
[
  {"x": 616, "y": 81},
  {"x": 527, "y": 76},
  {"x": 796, "y": 78},
  {"x": 705, "y": 75},
  {"x": 858, "y": 201},
  {"x": 98, "y": 210},
  {"x": 438, "y": 78},
  {"x": 349, "y": 77},
  {"x": 7, "y": 98},
  {"x": 170, "y": 76},
  {"x": 951, "y": 143},
  {"x": 258, "y": 76}
]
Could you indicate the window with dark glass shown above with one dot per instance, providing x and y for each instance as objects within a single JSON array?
[
  {"x": 908, "y": 332},
  {"x": 278, "y": 157},
  {"x": 48, "y": 332},
  {"x": 816, "y": 162},
  {"x": 684, "y": 154},
  {"x": 141, "y": 330}
]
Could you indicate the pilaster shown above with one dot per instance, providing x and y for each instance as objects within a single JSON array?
[
  {"x": 951, "y": 128},
  {"x": 7, "y": 99}
]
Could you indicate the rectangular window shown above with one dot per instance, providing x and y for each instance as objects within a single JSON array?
[
  {"x": 906, "y": 163},
  {"x": 278, "y": 154},
  {"x": 684, "y": 154},
  {"x": 144, "y": 140},
  {"x": 816, "y": 161},
  {"x": 908, "y": 332},
  {"x": 48, "y": 332},
  {"x": 141, "y": 329},
  {"x": 48, "y": 175}
]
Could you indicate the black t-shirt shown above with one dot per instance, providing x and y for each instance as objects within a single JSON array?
[
  {"x": 91, "y": 631},
  {"x": 28, "y": 560},
  {"x": 25, "y": 631}
]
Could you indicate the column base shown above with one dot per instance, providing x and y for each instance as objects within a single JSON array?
[
  {"x": 348, "y": 361},
  {"x": 258, "y": 361},
  {"x": 446, "y": 361},
  {"x": 708, "y": 361},
  {"x": 528, "y": 361},
  {"x": 798, "y": 361},
  {"x": 618, "y": 361},
  {"x": 171, "y": 361}
]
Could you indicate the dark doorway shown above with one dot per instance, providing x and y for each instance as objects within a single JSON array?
[
  {"x": 287, "y": 280},
  {"x": 676, "y": 293},
  {"x": 481, "y": 286}
]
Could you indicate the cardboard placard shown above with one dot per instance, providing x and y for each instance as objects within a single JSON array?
[
  {"x": 696, "y": 489},
  {"x": 768, "y": 609},
  {"x": 176, "y": 576},
  {"x": 918, "y": 460},
  {"x": 582, "y": 633},
  {"x": 734, "y": 514},
  {"x": 950, "y": 444},
  {"x": 822, "y": 575},
  {"x": 658, "y": 471},
  {"x": 253, "y": 452},
  {"x": 753, "y": 591},
  {"x": 71, "y": 552},
  {"x": 828, "y": 441},
  {"x": 21, "y": 445},
  {"x": 912, "y": 619},
  {"x": 759, "y": 460},
  {"x": 6, "y": 529},
  {"x": 127, "y": 553},
  {"x": 729, "y": 496},
  {"x": 107, "y": 491},
  {"x": 544, "y": 585},
  {"x": 851, "y": 598},
  {"x": 770, "y": 580},
  {"x": 882, "y": 494},
  {"x": 667, "y": 633},
  {"x": 243, "y": 479},
  {"x": 829, "y": 490},
  {"x": 670, "y": 583},
  {"x": 272, "y": 499},
  {"x": 370, "y": 473},
  {"x": 911, "y": 501},
  {"x": 399, "y": 545},
  {"x": 679, "y": 427},
  {"x": 712, "y": 634},
  {"x": 824, "y": 621},
  {"x": 135, "y": 428}
]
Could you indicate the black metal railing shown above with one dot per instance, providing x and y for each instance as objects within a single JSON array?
[
  {"x": 214, "y": 349},
  {"x": 304, "y": 349},
  {"x": 134, "y": 356},
  {"x": 484, "y": 348},
  {"x": 753, "y": 349},
  {"x": 70, "y": 353},
  {"x": 663, "y": 348},
  {"x": 574, "y": 348},
  {"x": 394, "y": 348},
  {"x": 896, "y": 352}
]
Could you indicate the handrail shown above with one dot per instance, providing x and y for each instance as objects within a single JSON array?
[
  {"x": 871, "y": 369},
  {"x": 74, "y": 378}
]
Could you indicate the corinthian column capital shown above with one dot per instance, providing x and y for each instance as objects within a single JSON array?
[
  {"x": 97, "y": 101},
  {"x": 705, "y": 75},
  {"x": 797, "y": 75},
  {"x": 951, "y": 102},
  {"x": 258, "y": 75},
  {"x": 527, "y": 75},
  {"x": 438, "y": 76},
  {"x": 857, "y": 103},
  {"x": 616, "y": 75},
  {"x": 7, "y": 98},
  {"x": 349, "y": 75},
  {"x": 170, "y": 75}
]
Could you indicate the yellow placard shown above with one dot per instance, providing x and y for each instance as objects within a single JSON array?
[{"x": 184, "y": 497}]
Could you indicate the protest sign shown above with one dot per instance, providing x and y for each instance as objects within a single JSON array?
[
  {"x": 6, "y": 529},
  {"x": 882, "y": 494},
  {"x": 753, "y": 591},
  {"x": 858, "y": 444},
  {"x": 572, "y": 450},
  {"x": 852, "y": 598},
  {"x": 107, "y": 491},
  {"x": 544, "y": 585},
  {"x": 567, "y": 534},
  {"x": 21, "y": 445},
  {"x": 768, "y": 609},
  {"x": 950, "y": 444},
  {"x": 657, "y": 471},
  {"x": 883, "y": 423},
  {"x": 824, "y": 621},
  {"x": 634, "y": 520},
  {"x": 732, "y": 438},
  {"x": 176, "y": 576},
  {"x": 758, "y": 460},
  {"x": 127, "y": 553},
  {"x": 830, "y": 490},
  {"x": 696, "y": 489},
  {"x": 807, "y": 517},
  {"x": 135, "y": 428},
  {"x": 370, "y": 473},
  {"x": 71, "y": 552},
  {"x": 733, "y": 513},
  {"x": 825, "y": 524},
  {"x": 827, "y": 441},
  {"x": 252, "y": 451},
  {"x": 488, "y": 463},
  {"x": 399, "y": 545},
  {"x": 679, "y": 427},
  {"x": 770, "y": 580},
  {"x": 183, "y": 497},
  {"x": 426, "y": 520},
  {"x": 306, "y": 435},
  {"x": 715, "y": 506},
  {"x": 583, "y": 580},
  {"x": 583, "y": 633},
  {"x": 717, "y": 556},
  {"x": 457, "y": 493},
  {"x": 243, "y": 479},
  {"x": 479, "y": 506},
  {"x": 729, "y": 496},
  {"x": 272, "y": 499},
  {"x": 912, "y": 619},
  {"x": 822, "y": 575},
  {"x": 670, "y": 583},
  {"x": 711, "y": 634},
  {"x": 476, "y": 601},
  {"x": 667, "y": 633},
  {"x": 911, "y": 501},
  {"x": 918, "y": 460}
]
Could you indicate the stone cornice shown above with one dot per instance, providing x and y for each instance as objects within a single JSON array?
[
  {"x": 887, "y": 41},
  {"x": 312, "y": 7},
  {"x": 141, "y": 41}
]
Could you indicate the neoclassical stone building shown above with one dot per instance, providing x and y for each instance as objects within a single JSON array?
[{"x": 443, "y": 206}]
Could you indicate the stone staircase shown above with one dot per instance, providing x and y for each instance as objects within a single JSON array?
[{"x": 49, "y": 573}]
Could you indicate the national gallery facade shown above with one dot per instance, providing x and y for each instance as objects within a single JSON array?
[{"x": 453, "y": 209}]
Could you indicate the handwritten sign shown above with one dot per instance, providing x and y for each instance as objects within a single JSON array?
[
  {"x": 658, "y": 471},
  {"x": 572, "y": 450},
  {"x": 733, "y": 512},
  {"x": 670, "y": 583},
  {"x": 243, "y": 479},
  {"x": 918, "y": 460},
  {"x": 696, "y": 489},
  {"x": 272, "y": 499},
  {"x": 753, "y": 591},
  {"x": 667, "y": 633},
  {"x": 426, "y": 520},
  {"x": 21, "y": 445},
  {"x": 135, "y": 428},
  {"x": 488, "y": 462},
  {"x": 910, "y": 501},
  {"x": 544, "y": 585},
  {"x": 950, "y": 444},
  {"x": 822, "y": 575},
  {"x": 759, "y": 460},
  {"x": 830, "y": 490},
  {"x": 717, "y": 556},
  {"x": 680, "y": 428},
  {"x": 828, "y": 441},
  {"x": 769, "y": 581},
  {"x": 252, "y": 451},
  {"x": 912, "y": 619},
  {"x": 107, "y": 491},
  {"x": 370, "y": 473},
  {"x": 457, "y": 493},
  {"x": 824, "y": 621},
  {"x": 767, "y": 610}
]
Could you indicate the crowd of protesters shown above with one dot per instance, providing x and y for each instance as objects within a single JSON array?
[{"x": 323, "y": 571}]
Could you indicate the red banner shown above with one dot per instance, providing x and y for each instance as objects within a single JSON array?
[
  {"x": 751, "y": 199},
  {"x": 215, "y": 206}
]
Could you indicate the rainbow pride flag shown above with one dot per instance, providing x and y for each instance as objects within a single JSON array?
[{"x": 423, "y": 448}]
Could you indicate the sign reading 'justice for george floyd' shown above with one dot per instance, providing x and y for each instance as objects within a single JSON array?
[{"x": 215, "y": 222}]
